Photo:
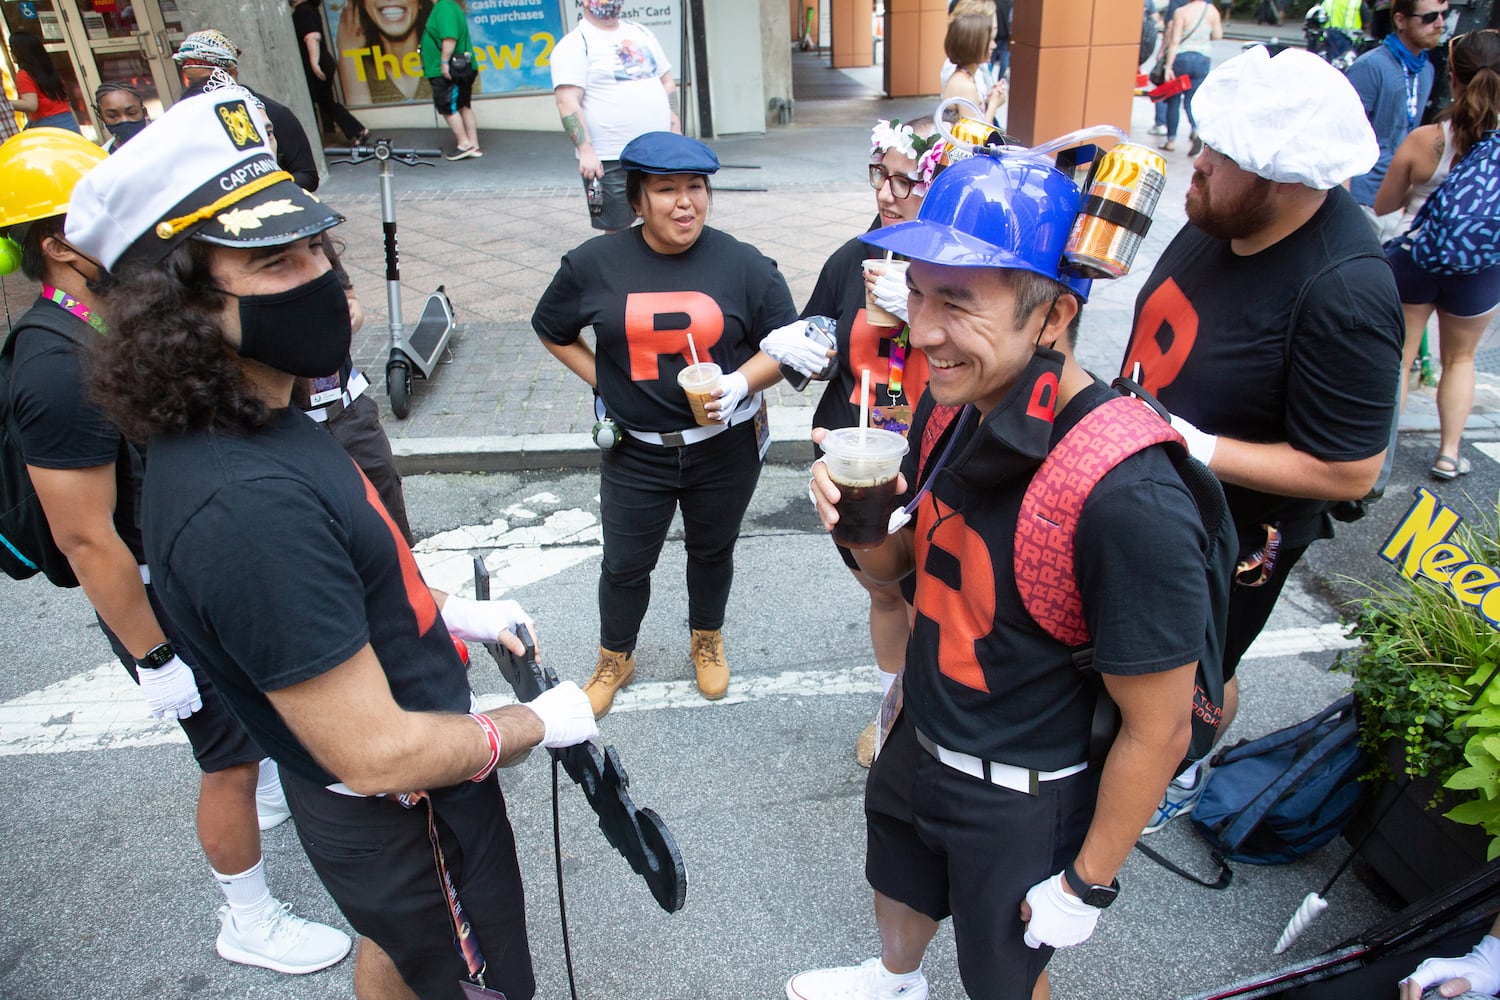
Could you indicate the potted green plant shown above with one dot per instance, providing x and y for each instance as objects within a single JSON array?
[{"x": 1424, "y": 677}]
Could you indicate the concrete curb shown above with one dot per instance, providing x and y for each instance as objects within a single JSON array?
[{"x": 790, "y": 445}]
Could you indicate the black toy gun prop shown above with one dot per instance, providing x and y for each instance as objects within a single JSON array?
[{"x": 640, "y": 835}]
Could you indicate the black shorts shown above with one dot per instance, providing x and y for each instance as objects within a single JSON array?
[
  {"x": 617, "y": 212},
  {"x": 216, "y": 736},
  {"x": 374, "y": 857},
  {"x": 448, "y": 97},
  {"x": 947, "y": 844}
]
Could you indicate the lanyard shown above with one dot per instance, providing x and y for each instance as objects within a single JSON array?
[
  {"x": 898, "y": 362},
  {"x": 72, "y": 305},
  {"x": 466, "y": 941}
]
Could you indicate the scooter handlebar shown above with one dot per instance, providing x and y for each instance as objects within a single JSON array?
[{"x": 382, "y": 150}]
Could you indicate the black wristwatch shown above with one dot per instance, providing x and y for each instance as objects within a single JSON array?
[
  {"x": 1095, "y": 895},
  {"x": 160, "y": 655}
]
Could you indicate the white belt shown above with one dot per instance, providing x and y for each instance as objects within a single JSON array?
[
  {"x": 1019, "y": 779},
  {"x": 343, "y": 789},
  {"x": 356, "y": 387},
  {"x": 677, "y": 439}
]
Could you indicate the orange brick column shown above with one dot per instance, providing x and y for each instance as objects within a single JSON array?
[
  {"x": 853, "y": 32},
  {"x": 914, "y": 31},
  {"x": 1073, "y": 63}
]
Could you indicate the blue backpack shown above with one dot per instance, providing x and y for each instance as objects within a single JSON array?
[
  {"x": 1457, "y": 229},
  {"x": 1270, "y": 800}
]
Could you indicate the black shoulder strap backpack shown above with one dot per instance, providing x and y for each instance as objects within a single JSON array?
[{"x": 26, "y": 545}]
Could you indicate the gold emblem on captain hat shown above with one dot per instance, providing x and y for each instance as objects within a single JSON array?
[
  {"x": 239, "y": 219},
  {"x": 239, "y": 126}
]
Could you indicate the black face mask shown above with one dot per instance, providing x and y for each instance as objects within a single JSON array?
[
  {"x": 125, "y": 131},
  {"x": 303, "y": 331},
  {"x": 1017, "y": 434}
]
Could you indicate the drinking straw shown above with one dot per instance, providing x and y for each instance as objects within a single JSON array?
[
  {"x": 864, "y": 403},
  {"x": 692, "y": 348}
]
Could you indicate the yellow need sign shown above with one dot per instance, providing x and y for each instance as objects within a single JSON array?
[{"x": 1419, "y": 544}]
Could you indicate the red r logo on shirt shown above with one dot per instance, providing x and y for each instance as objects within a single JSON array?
[
  {"x": 963, "y": 609},
  {"x": 1163, "y": 338},
  {"x": 864, "y": 353},
  {"x": 658, "y": 323}
]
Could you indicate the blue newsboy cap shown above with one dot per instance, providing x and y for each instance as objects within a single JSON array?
[{"x": 668, "y": 153}]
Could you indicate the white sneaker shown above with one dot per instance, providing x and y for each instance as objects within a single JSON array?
[
  {"x": 867, "y": 981},
  {"x": 1179, "y": 799},
  {"x": 281, "y": 941},
  {"x": 270, "y": 807},
  {"x": 1157, "y": 130}
]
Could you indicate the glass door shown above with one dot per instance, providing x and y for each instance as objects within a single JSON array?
[
  {"x": 44, "y": 20},
  {"x": 120, "y": 41}
]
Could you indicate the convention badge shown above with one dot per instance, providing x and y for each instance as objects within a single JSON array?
[
  {"x": 890, "y": 707},
  {"x": 472, "y": 992},
  {"x": 762, "y": 429},
  {"x": 325, "y": 390},
  {"x": 896, "y": 419}
]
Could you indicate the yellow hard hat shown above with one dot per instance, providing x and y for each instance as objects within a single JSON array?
[{"x": 38, "y": 169}]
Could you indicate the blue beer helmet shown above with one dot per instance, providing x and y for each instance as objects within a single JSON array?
[{"x": 1011, "y": 211}]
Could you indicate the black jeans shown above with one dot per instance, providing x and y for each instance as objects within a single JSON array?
[
  {"x": 640, "y": 487},
  {"x": 333, "y": 112}
]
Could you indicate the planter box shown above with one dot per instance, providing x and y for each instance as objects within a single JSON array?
[{"x": 1412, "y": 847}]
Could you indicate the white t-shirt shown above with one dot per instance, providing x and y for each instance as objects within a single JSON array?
[{"x": 620, "y": 72}]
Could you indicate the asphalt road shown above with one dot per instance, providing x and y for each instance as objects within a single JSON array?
[{"x": 101, "y": 881}]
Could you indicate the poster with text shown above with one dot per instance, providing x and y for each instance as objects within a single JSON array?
[{"x": 378, "y": 47}]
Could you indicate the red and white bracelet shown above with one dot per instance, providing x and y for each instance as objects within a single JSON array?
[{"x": 492, "y": 734}]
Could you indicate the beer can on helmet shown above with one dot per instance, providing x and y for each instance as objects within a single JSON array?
[
  {"x": 1115, "y": 213},
  {"x": 973, "y": 131}
]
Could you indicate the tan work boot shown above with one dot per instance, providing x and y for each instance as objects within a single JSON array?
[
  {"x": 864, "y": 747},
  {"x": 709, "y": 662},
  {"x": 612, "y": 672}
]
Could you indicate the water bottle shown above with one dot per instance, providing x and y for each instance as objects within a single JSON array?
[{"x": 596, "y": 197}]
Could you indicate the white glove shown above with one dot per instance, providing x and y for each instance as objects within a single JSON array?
[
  {"x": 566, "y": 715},
  {"x": 889, "y": 293},
  {"x": 1058, "y": 919},
  {"x": 483, "y": 621},
  {"x": 733, "y": 388},
  {"x": 170, "y": 690},
  {"x": 1200, "y": 445},
  {"x": 1481, "y": 967},
  {"x": 789, "y": 345}
]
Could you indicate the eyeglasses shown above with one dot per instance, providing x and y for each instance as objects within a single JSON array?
[
  {"x": 1428, "y": 18},
  {"x": 900, "y": 183}
]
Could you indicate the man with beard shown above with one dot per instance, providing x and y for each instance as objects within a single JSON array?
[{"x": 1271, "y": 327}]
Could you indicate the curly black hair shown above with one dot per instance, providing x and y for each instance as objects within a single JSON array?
[{"x": 164, "y": 367}]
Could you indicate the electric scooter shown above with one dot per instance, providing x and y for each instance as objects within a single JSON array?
[{"x": 417, "y": 354}]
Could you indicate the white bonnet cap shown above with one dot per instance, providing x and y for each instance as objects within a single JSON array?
[{"x": 1292, "y": 119}]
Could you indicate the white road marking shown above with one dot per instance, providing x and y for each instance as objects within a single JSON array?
[
  {"x": 1489, "y": 448},
  {"x": 101, "y": 708}
]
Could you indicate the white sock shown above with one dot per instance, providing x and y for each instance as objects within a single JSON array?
[
  {"x": 1189, "y": 776},
  {"x": 247, "y": 892},
  {"x": 889, "y": 978},
  {"x": 886, "y": 680},
  {"x": 270, "y": 777}
]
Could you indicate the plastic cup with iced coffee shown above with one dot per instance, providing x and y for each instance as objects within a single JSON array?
[
  {"x": 863, "y": 463},
  {"x": 700, "y": 381}
]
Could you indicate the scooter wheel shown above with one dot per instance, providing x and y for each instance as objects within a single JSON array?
[{"x": 398, "y": 384}]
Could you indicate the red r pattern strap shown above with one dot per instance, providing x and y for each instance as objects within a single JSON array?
[
  {"x": 1047, "y": 526},
  {"x": 465, "y": 939},
  {"x": 492, "y": 734}
]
